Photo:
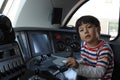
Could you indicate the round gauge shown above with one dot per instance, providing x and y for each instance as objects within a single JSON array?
[
  {"x": 67, "y": 40},
  {"x": 75, "y": 46},
  {"x": 60, "y": 45}
]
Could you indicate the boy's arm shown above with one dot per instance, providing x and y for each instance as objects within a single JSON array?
[
  {"x": 96, "y": 71},
  {"x": 90, "y": 71}
]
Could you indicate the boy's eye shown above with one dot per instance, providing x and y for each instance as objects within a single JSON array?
[
  {"x": 81, "y": 30},
  {"x": 89, "y": 26}
]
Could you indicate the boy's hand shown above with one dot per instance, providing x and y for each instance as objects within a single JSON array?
[{"x": 72, "y": 62}]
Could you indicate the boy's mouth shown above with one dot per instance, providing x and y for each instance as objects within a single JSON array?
[{"x": 87, "y": 36}]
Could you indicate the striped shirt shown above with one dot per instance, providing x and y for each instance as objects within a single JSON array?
[{"x": 97, "y": 63}]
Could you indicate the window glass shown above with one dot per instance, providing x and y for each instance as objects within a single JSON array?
[
  {"x": 1, "y": 2},
  {"x": 12, "y": 9},
  {"x": 107, "y": 11}
]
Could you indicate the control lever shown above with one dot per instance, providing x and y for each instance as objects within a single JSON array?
[
  {"x": 42, "y": 58},
  {"x": 61, "y": 69},
  {"x": 36, "y": 73},
  {"x": 73, "y": 45}
]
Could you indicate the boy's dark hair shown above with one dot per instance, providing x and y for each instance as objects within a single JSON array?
[{"x": 87, "y": 19}]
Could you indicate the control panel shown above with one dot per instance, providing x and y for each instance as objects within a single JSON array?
[
  {"x": 48, "y": 49},
  {"x": 66, "y": 43},
  {"x": 11, "y": 62}
]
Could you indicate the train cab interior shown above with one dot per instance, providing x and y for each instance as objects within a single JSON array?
[{"x": 37, "y": 36}]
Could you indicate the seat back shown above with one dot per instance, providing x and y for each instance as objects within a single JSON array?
[{"x": 116, "y": 71}]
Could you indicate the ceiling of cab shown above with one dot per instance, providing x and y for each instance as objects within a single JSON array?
[
  {"x": 39, "y": 12},
  {"x": 68, "y": 5}
]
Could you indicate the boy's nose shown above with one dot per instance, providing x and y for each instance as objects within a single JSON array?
[{"x": 86, "y": 31}]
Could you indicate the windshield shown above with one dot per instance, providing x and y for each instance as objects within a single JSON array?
[{"x": 107, "y": 11}]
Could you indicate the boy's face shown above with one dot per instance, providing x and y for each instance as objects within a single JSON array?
[{"x": 89, "y": 33}]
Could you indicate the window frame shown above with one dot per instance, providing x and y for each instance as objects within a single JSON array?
[{"x": 3, "y": 6}]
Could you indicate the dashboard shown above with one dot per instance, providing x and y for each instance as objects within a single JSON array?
[
  {"x": 39, "y": 41},
  {"x": 47, "y": 48}
]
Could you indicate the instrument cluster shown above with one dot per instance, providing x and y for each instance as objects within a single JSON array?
[{"x": 66, "y": 41}]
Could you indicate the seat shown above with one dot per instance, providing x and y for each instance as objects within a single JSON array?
[{"x": 116, "y": 71}]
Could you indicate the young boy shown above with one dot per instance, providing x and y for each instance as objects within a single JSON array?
[{"x": 96, "y": 55}]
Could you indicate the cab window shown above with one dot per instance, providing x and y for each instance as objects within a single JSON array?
[{"x": 107, "y": 11}]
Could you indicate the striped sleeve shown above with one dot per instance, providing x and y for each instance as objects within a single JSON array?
[{"x": 102, "y": 64}]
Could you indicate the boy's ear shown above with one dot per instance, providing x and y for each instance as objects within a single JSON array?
[{"x": 99, "y": 29}]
